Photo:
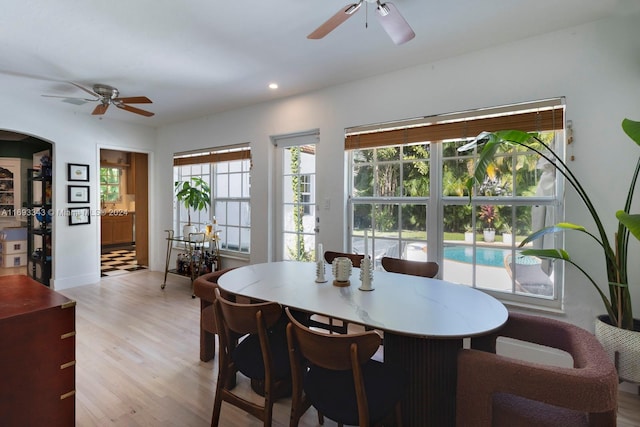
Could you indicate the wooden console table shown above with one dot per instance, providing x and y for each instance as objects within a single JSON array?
[{"x": 37, "y": 354}]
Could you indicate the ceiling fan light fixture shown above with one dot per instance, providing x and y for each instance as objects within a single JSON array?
[{"x": 383, "y": 9}]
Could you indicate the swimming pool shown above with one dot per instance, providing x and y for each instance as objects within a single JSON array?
[{"x": 491, "y": 257}]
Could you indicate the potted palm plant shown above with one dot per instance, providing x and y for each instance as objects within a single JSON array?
[
  {"x": 194, "y": 194},
  {"x": 619, "y": 321}
]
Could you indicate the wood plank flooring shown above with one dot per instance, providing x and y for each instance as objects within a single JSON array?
[{"x": 138, "y": 365}]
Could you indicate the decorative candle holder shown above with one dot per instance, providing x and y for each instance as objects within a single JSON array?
[
  {"x": 320, "y": 277},
  {"x": 366, "y": 274},
  {"x": 341, "y": 267}
]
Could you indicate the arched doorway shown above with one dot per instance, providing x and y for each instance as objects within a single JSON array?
[{"x": 26, "y": 206}]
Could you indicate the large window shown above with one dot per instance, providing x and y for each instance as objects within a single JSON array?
[
  {"x": 227, "y": 171},
  {"x": 408, "y": 191}
]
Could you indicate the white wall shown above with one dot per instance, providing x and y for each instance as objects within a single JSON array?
[
  {"x": 76, "y": 139},
  {"x": 596, "y": 67}
]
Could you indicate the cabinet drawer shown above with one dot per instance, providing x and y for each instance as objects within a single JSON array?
[
  {"x": 37, "y": 350},
  {"x": 13, "y": 260},
  {"x": 13, "y": 247}
]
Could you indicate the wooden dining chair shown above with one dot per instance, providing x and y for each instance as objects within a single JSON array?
[
  {"x": 356, "y": 259},
  {"x": 332, "y": 325},
  {"x": 252, "y": 342},
  {"x": 334, "y": 373},
  {"x": 414, "y": 268}
]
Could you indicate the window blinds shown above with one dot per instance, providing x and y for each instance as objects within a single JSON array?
[{"x": 543, "y": 118}]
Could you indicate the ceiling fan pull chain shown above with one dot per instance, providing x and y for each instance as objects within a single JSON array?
[{"x": 366, "y": 14}]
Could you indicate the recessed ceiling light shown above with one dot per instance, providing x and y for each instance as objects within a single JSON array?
[{"x": 273, "y": 85}]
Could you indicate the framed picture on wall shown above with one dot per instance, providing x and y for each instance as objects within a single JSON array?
[
  {"x": 78, "y": 216},
  {"x": 77, "y": 172},
  {"x": 78, "y": 193}
]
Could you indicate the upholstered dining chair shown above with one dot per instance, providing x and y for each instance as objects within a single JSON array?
[
  {"x": 252, "y": 342},
  {"x": 495, "y": 390},
  {"x": 414, "y": 268},
  {"x": 204, "y": 288},
  {"x": 335, "y": 374}
]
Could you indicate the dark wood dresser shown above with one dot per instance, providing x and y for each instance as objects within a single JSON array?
[{"x": 37, "y": 355}]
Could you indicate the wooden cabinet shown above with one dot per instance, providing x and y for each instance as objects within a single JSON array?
[
  {"x": 116, "y": 228},
  {"x": 37, "y": 354}
]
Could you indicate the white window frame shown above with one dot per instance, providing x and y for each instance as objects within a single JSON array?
[
  {"x": 212, "y": 172},
  {"x": 435, "y": 202}
]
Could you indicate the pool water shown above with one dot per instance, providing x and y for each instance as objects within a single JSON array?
[{"x": 491, "y": 257}]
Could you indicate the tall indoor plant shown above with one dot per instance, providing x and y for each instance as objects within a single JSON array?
[
  {"x": 618, "y": 301},
  {"x": 193, "y": 194}
]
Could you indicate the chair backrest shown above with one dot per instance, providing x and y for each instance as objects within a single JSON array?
[
  {"x": 244, "y": 319},
  {"x": 335, "y": 352},
  {"x": 356, "y": 259},
  {"x": 331, "y": 351},
  {"x": 414, "y": 268}
]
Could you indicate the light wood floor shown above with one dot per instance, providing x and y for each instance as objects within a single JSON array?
[{"x": 138, "y": 359}]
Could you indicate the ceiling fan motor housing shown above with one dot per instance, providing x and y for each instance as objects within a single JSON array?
[{"x": 106, "y": 91}]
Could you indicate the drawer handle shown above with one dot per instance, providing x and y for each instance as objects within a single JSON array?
[
  {"x": 64, "y": 396},
  {"x": 68, "y": 304},
  {"x": 68, "y": 364},
  {"x": 68, "y": 335}
]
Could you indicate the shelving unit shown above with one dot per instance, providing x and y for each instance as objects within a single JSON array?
[{"x": 39, "y": 206}]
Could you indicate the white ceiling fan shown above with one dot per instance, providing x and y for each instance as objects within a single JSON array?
[
  {"x": 388, "y": 15},
  {"x": 107, "y": 95}
]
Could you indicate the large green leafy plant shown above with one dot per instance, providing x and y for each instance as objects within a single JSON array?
[
  {"x": 618, "y": 302},
  {"x": 193, "y": 194}
]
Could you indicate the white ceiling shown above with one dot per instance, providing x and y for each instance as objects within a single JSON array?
[{"x": 197, "y": 57}]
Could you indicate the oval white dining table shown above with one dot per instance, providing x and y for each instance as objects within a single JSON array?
[{"x": 424, "y": 322}]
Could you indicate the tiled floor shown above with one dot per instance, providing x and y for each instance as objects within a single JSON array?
[{"x": 119, "y": 261}]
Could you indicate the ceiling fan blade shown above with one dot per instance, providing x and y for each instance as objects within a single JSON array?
[
  {"x": 337, "y": 19},
  {"x": 134, "y": 100},
  {"x": 100, "y": 109},
  {"x": 85, "y": 89},
  {"x": 395, "y": 25},
  {"x": 134, "y": 110},
  {"x": 68, "y": 97}
]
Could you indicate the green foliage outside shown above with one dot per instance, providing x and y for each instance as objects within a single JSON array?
[
  {"x": 403, "y": 171},
  {"x": 298, "y": 252}
]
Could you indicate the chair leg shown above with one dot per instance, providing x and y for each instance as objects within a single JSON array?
[
  {"x": 217, "y": 406},
  {"x": 398, "y": 412},
  {"x": 268, "y": 409},
  {"x": 207, "y": 345}
]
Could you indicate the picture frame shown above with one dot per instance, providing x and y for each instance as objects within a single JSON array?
[
  {"x": 78, "y": 193},
  {"x": 79, "y": 216},
  {"x": 77, "y": 172}
]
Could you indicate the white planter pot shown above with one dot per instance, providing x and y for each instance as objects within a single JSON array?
[
  {"x": 468, "y": 237},
  {"x": 507, "y": 238},
  {"x": 489, "y": 235},
  {"x": 623, "y": 347},
  {"x": 188, "y": 229}
]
